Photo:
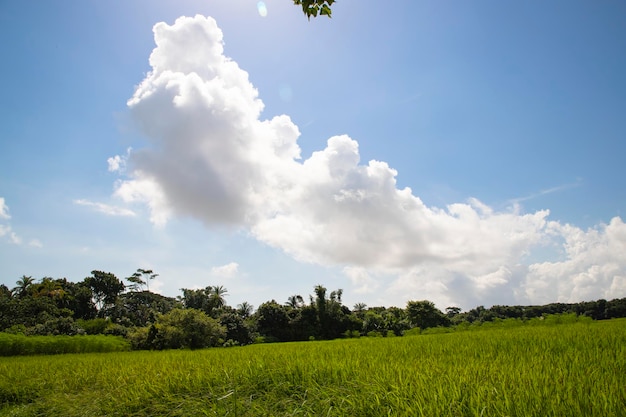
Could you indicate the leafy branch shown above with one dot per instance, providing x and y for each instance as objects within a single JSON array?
[{"x": 315, "y": 7}]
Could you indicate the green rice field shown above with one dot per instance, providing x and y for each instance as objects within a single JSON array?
[
  {"x": 576, "y": 369},
  {"x": 18, "y": 344}
]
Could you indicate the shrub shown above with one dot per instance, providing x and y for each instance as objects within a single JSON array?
[
  {"x": 94, "y": 326},
  {"x": 415, "y": 331},
  {"x": 54, "y": 326},
  {"x": 437, "y": 330},
  {"x": 116, "y": 330},
  {"x": 16, "y": 329},
  {"x": 138, "y": 338},
  {"x": 185, "y": 328},
  {"x": 231, "y": 343}
]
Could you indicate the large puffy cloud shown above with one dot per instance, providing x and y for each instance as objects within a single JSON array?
[
  {"x": 594, "y": 266},
  {"x": 212, "y": 158}
]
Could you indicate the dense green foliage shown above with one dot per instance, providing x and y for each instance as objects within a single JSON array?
[
  {"x": 182, "y": 328},
  {"x": 576, "y": 369},
  {"x": 315, "y": 7},
  {"x": 102, "y": 304}
]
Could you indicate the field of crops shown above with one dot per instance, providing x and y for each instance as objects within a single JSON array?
[
  {"x": 566, "y": 370},
  {"x": 18, "y": 344}
]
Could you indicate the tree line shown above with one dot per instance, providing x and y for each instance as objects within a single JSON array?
[{"x": 103, "y": 304}]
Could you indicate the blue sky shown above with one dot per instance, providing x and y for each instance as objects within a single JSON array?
[{"x": 504, "y": 120}]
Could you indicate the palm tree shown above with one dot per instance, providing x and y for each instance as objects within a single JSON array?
[
  {"x": 295, "y": 301},
  {"x": 320, "y": 300},
  {"x": 336, "y": 295},
  {"x": 23, "y": 285},
  {"x": 49, "y": 287},
  {"x": 245, "y": 309},
  {"x": 217, "y": 294},
  {"x": 360, "y": 307}
]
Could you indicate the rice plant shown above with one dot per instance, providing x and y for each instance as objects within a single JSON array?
[{"x": 575, "y": 369}]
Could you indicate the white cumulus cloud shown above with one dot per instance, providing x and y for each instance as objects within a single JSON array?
[
  {"x": 212, "y": 158},
  {"x": 117, "y": 163},
  {"x": 594, "y": 266},
  {"x": 229, "y": 270}
]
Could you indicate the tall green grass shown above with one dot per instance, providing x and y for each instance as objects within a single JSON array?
[
  {"x": 18, "y": 344},
  {"x": 574, "y": 369}
]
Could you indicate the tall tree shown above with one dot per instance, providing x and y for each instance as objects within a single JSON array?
[
  {"x": 196, "y": 298},
  {"x": 185, "y": 328},
  {"x": 81, "y": 300},
  {"x": 452, "y": 311},
  {"x": 424, "y": 314},
  {"x": 105, "y": 287},
  {"x": 49, "y": 287},
  {"x": 395, "y": 320},
  {"x": 23, "y": 286},
  {"x": 217, "y": 294},
  {"x": 142, "y": 277},
  {"x": 245, "y": 309},
  {"x": 359, "y": 307},
  {"x": 295, "y": 301},
  {"x": 320, "y": 300},
  {"x": 333, "y": 317},
  {"x": 210, "y": 299},
  {"x": 335, "y": 296},
  {"x": 273, "y": 321},
  {"x": 237, "y": 331},
  {"x": 373, "y": 321},
  {"x": 5, "y": 292},
  {"x": 140, "y": 308}
]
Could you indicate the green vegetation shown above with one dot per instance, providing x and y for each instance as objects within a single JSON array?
[
  {"x": 101, "y": 304},
  {"x": 575, "y": 369},
  {"x": 315, "y": 7},
  {"x": 18, "y": 344}
]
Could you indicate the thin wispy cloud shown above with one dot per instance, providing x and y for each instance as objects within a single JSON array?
[
  {"x": 35, "y": 243},
  {"x": 4, "y": 230},
  {"x": 4, "y": 210},
  {"x": 547, "y": 191},
  {"x": 107, "y": 209},
  {"x": 13, "y": 238},
  {"x": 7, "y": 231}
]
